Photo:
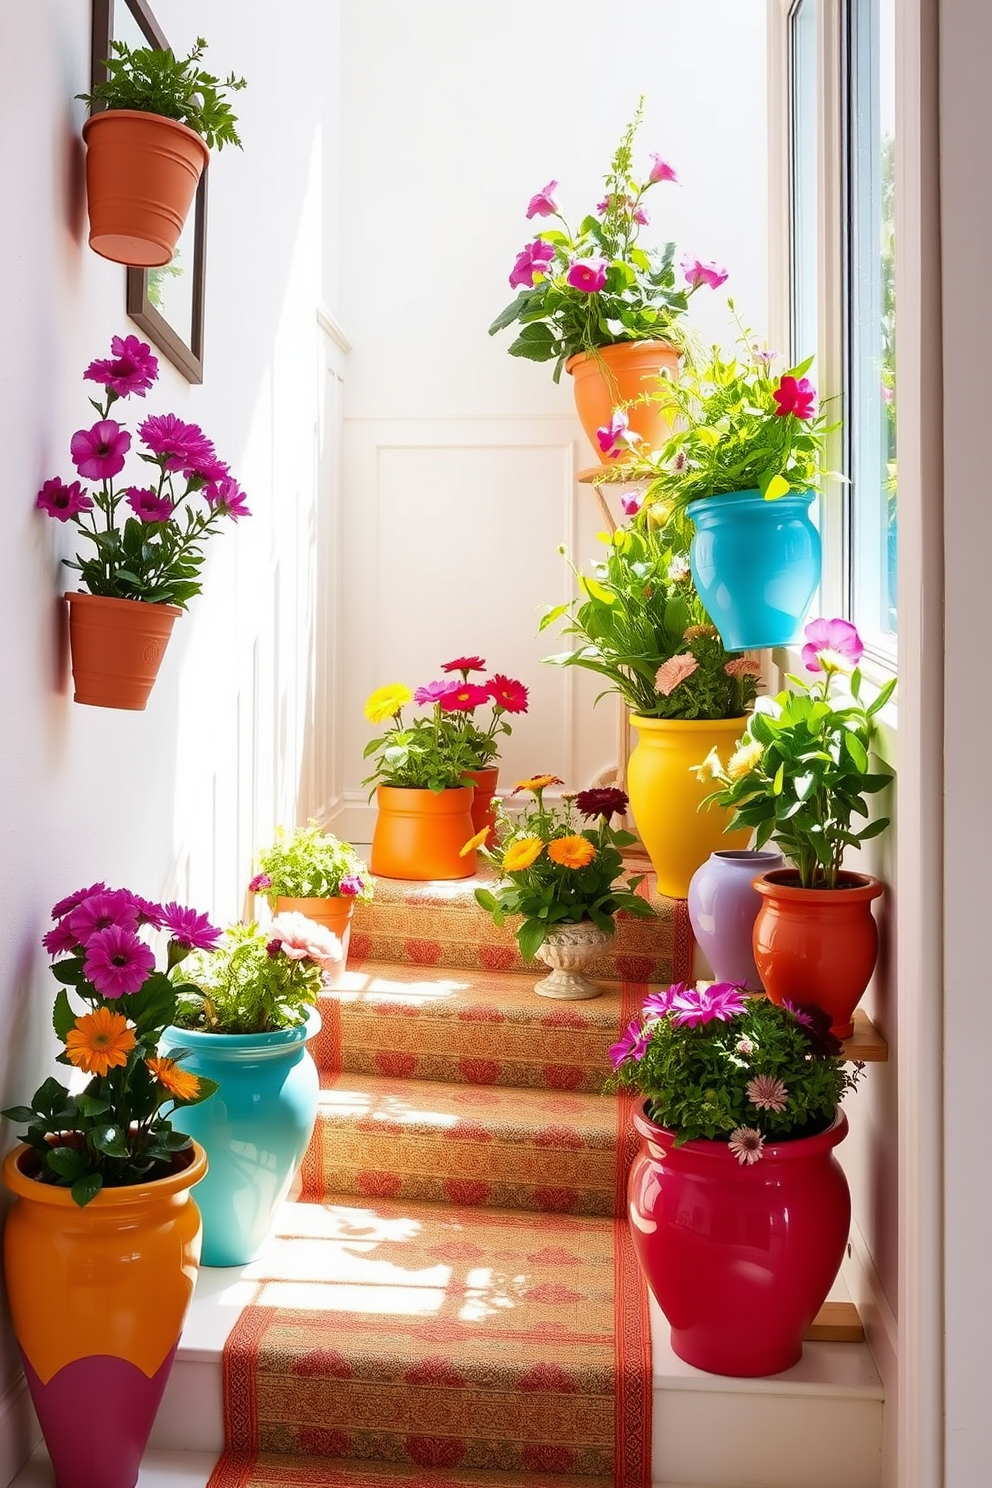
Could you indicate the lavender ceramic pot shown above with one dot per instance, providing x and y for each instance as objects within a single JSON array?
[{"x": 722, "y": 909}]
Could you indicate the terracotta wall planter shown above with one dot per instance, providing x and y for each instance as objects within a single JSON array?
[
  {"x": 142, "y": 171},
  {"x": 334, "y": 913},
  {"x": 117, "y": 646},
  {"x": 419, "y": 835},
  {"x": 623, "y": 373}
]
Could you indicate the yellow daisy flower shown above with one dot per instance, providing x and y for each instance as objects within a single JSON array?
[
  {"x": 571, "y": 852},
  {"x": 537, "y": 783},
  {"x": 387, "y": 701},
  {"x": 473, "y": 843},
  {"x": 520, "y": 855},
  {"x": 100, "y": 1041},
  {"x": 177, "y": 1081},
  {"x": 743, "y": 760}
]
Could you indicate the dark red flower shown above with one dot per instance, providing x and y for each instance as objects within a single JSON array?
[
  {"x": 508, "y": 695},
  {"x": 464, "y": 664},
  {"x": 605, "y": 801}
]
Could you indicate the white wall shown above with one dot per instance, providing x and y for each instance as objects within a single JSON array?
[
  {"x": 459, "y": 459},
  {"x": 173, "y": 800}
]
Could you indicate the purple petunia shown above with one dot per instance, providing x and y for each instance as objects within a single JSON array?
[
  {"x": 63, "y": 502},
  {"x": 832, "y": 646},
  {"x": 131, "y": 367},
  {"x": 259, "y": 883},
  {"x": 227, "y": 498},
  {"x": 98, "y": 453},
  {"x": 532, "y": 259},
  {"x": 148, "y": 504}
]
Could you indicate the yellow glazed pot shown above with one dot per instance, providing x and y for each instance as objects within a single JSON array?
[{"x": 665, "y": 796}]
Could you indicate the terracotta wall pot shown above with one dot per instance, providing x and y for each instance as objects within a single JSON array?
[
  {"x": 116, "y": 646},
  {"x": 333, "y": 913},
  {"x": 613, "y": 375},
  {"x": 817, "y": 945},
  {"x": 665, "y": 796},
  {"x": 142, "y": 171},
  {"x": 482, "y": 801},
  {"x": 98, "y": 1297},
  {"x": 419, "y": 835},
  {"x": 740, "y": 1258}
]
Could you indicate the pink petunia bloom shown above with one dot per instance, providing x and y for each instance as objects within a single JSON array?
[
  {"x": 587, "y": 274},
  {"x": 631, "y": 1045},
  {"x": 351, "y": 885},
  {"x": 743, "y": 666},
  {"x": 464, "y": 664},
  {"x": 61, "y": 501},
  {"x": 464, "y": 697},
  {"x": 227, "y": 498},
  {"x": 131, "y": 367},
  {"x": 259, "y": 883},
  {"x": 659, "y": 1004},
  {"x": 69, "y": 903},
  {"x": 832, "y": 646},
  {"x": 543, "y": 203},
  {"x": 148, "y": 505},
  {"x": 508, "y": 695},
  {"x": 616, "y": 437},
  {"x": 98, "y": 453},
  {"x": 188, "y": 929},
  {"x": 59, "y": 939},
  {"x": 696, "y": 273},
  {"x": 673, "y": 672},
  {"x": 532, "y": 259},
  {"x": 434, "y": 692},
  {"x": 301, "y": 939},
  {"x": 768, "y": 1093},
  {"x": 631, "y": 502},
  {"x": 695, "y": 1005},
  {"x": 114, "y": 909},
  {"x": 661, "y": 170},
  {"x": 795, "y": 397},
  {"x": 117, "y": 962},
  {"x": 177, "y": 444},
  {"x": 747, "y": 1144}
]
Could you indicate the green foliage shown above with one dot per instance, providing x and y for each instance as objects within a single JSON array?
[
  {"x": 800, "y": 775},
  {"x": 310, "y": 863},
  {"x": 695, "y": 1077},
  {"x": 155, "y": 81},
  {"x": 249, "y": 984},
  {"x": 155, "y": 562},
  {"x": 638, "y": 609},
  {"x": 431, "y": 753}
]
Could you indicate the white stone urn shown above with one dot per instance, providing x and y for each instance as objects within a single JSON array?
[{"x": 569, "y": 950}]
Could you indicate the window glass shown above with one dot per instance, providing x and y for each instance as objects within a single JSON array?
[{"x": 805, "y": 267}]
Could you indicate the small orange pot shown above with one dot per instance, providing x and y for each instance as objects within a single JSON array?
[
  {"x": 142, "y": 171},
  {"x": 117, "y": 646},
  {"x": 623, "y": 373},
  {"x": 334, "y": 913},
  {"x": 482, "y": 801},
  {"x": 817, "y": 945},
  {"x": 419, "y": 835}
]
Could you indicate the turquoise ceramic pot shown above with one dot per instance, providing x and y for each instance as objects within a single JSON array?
[
  {"x": 756, "y": 566},
  {"x": 255, "y": 1129}
]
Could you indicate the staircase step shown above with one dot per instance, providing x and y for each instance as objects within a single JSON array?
[
  {"x": 470, "y": 1027},
  {"x": 551, "y": 1151},
  {"x": 439, "y": 923}
]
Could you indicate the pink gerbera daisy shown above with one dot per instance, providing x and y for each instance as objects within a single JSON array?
[
  {"x": 117, "y": 962},
  {"x": 99, "y": 912},
  {"x": 188, "y": 929},
  {"x": 747, "y": 1144},
  {"x": 767, "y": 1093},
  {"x": 673, "y": 672}
]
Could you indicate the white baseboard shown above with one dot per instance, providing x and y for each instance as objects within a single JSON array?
[{"x": 19, "y": 1429}]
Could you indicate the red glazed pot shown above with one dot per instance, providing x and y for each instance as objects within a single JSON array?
[
  {"x": 817, "y": 945},
  {"x": 739, "y": 1258}
]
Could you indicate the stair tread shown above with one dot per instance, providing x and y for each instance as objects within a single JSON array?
[
  {"x": 432, "y": 1106},
  {"x": 275, "y": 1471}
]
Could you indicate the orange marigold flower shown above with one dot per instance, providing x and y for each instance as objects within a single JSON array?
[
  {"x": 520, "y": 855},
  {"x": 473, "y": 843},
  {"x": 99, "y": 1042},
  {"x": 571, "y": 852},
  {"x": 177, "y": 1081},
  {"x": 537, "y": 783}
]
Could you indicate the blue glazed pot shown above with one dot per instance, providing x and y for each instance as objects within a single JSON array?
[
  {"x": 756, "y": 565},
  {"x": 255, "y": 1129}
]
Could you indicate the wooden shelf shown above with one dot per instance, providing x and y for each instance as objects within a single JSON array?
[
  {"x": 836, "y": 1322},
  {"x": 865, "y": 1042}
]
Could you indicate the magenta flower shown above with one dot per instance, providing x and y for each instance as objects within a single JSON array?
[
  {"x": 351, "y": 885},
  {"x": 188, "y": 929},
  {"x": 543, "y": 203},
  {"x": 59, "y": 939},
  {"x": 273, "y": 949},
  {"x": 464, "y": 664},
  {"x": 61, "y": 501},
  {"x": 659, "y": 1004},
  {"x": 631, "y": 1045},
  {"x": 176, "y": 443},
  {"x": 464, "y": 697},
  {"x": 433, "y": 693},
  {"x": 148, "y": 505},
  {"x": 131, "y": 368},
  {"x": 696, "y": 273},
  {"x": 114, "y": 909},
  {"x": 631, "y": 502},
  {"x": 531, "y": 260},
  {"x": 587, "y": 274},
  {"x": 616, "y": 437},
  {"x": 149, "y": 913},
  {"x": 507, "y": 694},
  {"x": 661, "y": 170},
  {"x": 695, "y": 1005},
  {"x": 795, "y": 397},
  {"x": 69, "y": 903},
  {"x": 832, "y": 646},
  {"x": 799, "y": 1013},
  {"x": 117, "y": 962},
  {"x": 227, "y": 498},
  {"x": 259, "y": 883},
  {"x": 98, "y": 453}
]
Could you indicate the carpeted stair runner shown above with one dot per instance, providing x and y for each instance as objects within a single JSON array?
[{"x": 456, "y": 1303}]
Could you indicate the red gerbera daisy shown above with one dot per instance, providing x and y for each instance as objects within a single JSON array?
[
  {"x": 464, "y": 664},
  {"x": 464, "y": 698},
  {"x": 508, "y": 695}
]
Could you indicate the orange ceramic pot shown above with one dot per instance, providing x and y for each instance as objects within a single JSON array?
[
  {"x": 98, "y": 1297},
  {"x": 817, "y": 945},
  {"x": 334, "y": 913},
  {"x": 142, "y": 171},
  {"x": 419, "y": 835},
  {"x": 117, "y": 646},
  {"x": 625, "y": 373},
  {"x": 482, "y": 800}
]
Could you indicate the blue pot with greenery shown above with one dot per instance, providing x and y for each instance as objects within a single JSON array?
[{"x": 756, "y": 565}]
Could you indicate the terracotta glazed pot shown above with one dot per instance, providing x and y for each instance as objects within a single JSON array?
[
  {"x": 623, "y": 373},
  {"x": 570, "y": 950},
  {"x": 482, "y": 801},
  {"x": 333, "y": 913},
  {"x": 117, "y": 647},
  {"x": 98, "y": 1298},
  {"x": 817, "y": 945},
  {"x": 665, "y": 796},
  {"x": 142, "y": 171},
  {"x": 739, "y": 1258},
  {"x": 419, "y": 834}
]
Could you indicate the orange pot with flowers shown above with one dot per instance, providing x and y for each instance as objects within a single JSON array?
[{"x": 102, "y": 1243}]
